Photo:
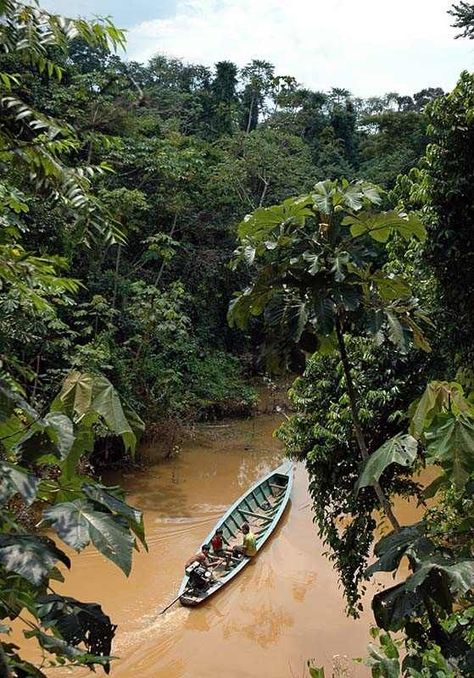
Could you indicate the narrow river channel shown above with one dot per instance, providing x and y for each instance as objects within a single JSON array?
[{"x": 283, "y": 609}]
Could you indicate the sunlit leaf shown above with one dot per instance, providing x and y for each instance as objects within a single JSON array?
[
  {"x": 79, "y": 524},
  {"x": 86, "y": 393},
  {"x": 438, "y": 397},
  {"x": 14, "y": 479},
  {"x": 451, "y": 444},
  {"x": 30, "y": 556},
  {"x": 401, "y": 449},
  {"x": 133, "y": 516}
]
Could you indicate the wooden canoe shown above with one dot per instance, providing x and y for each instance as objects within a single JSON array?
[{"x": 261, "y": 507}]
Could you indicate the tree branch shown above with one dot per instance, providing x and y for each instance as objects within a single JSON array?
[{"x": 351, "y": 392}]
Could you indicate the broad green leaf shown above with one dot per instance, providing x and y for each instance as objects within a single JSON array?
[
  {"x": 381, "y": 664},
  {"x": 394, "y": 606},
  {"x": 78, "y": 622},
  {"x": 10, "y": 401},
  {"x": 409, "y": 540},
  {"x": 460, "y": 575},
  {"x": 30, "y": 556},
  {"x": 61, "y": 431},
  {"x": 259, "y": 225},
  {"x": 133, "y": 516},
  {"x": 450, "y": 441},
  {"x": 75, "y": 397},
  {"x": 391, "y": 287},
  {"x": 339, "y": 266},
  {"x": 353, "y": 197},
  {"x": 438, "y": 397},
  {"x": 314, "y": 260},
  {"x": 348, "y": 296},
  {"x": 79, "y": 524},
  {"x": 249, "y": 254},
  {"x": 372, "y": 193},
  {"x": 14, "y": 479},
  {"x": 401, "y": 449},
  {"x": 438, "y": 483},
  {"x": 52, "y": 435},
  {"x": 250, "y": 302},
  {"x": 316, "y": 671},
  {"x": 107, "y": 404},
  {"x": 55, "y": 645},
  {"x": 323, "y": 309},
  {"x": 83, "y": 445},
  {"x": 287, "y": 311},
  {"x": 395, "y": 332},
  {"x": 419, "y": 338},
  {"x": 85, "y": 393},
  {"x": 323, "y": 196},
  {"x": 381, "y": 225}
]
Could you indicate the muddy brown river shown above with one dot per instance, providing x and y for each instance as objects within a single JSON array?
[{"x": 283, "y": 609}]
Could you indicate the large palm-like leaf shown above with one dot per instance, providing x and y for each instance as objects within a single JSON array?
[
  {"x": 391, "y": 548},
  {"x": 437, "y": 578},
  {"x": 451, "y": 444},
  {"x": 14, "y": 479},
  {"x": 78, "y": 623},
  {"x": 401, "y": 449},
  {"x": 86, "y": 394},
  {"x": 79, "y": 524},
  {"x": 30, "y": 556}
]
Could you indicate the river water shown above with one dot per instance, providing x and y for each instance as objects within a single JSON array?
[{"x": 283, "y": 609}]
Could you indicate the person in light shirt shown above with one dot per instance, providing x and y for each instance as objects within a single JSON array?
[{"x": 249, "y": 544}]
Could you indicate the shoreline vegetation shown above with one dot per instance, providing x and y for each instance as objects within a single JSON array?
[{"x": 168, "y": 231}]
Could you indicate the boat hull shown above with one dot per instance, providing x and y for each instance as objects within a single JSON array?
[{"x": 261, "y": 506}]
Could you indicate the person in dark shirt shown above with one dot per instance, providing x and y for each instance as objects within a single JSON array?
[
  {"x": 204, "y": 558},
  {"x": 217, "y": 543}
]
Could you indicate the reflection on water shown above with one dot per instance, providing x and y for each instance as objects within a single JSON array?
[
  {"x": 301, "y": 585},
  {"x": 263, "y": 625},
  {"x": 281, "y": 610}
]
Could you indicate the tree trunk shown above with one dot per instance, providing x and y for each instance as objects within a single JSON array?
[
  {"x": 351, "y": 392},
  {"x": 4, "y": 670},
  {"x": 249, "y": 119},
  {"x": 117, "y": 265},
  {"x": 266, "y": 184},
  {"x": 162, "y": 267}
]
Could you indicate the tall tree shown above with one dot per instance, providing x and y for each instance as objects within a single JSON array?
[
  {"x": 224, "y": 98},
  {"x": 320, "y": 274},
  {"x": 463, "y": 12},
  {"x": 258, "y": 78},
  {"x": 443, "y": 187}
]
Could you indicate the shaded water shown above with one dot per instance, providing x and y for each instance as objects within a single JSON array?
[{"x": 283, "y": 609}]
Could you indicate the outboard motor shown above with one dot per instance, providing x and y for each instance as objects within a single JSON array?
[{"x": 199, "y": 576}]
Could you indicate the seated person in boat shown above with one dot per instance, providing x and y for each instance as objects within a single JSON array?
[
  {"x": 249, "y": 544},
  {"x": 204, "y": 558},
  {"x": 217, "y": 543}
]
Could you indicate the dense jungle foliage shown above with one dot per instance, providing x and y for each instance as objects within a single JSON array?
[
  {"x": 179, "y": 154},
  {"x": 122, "y": 186}
]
